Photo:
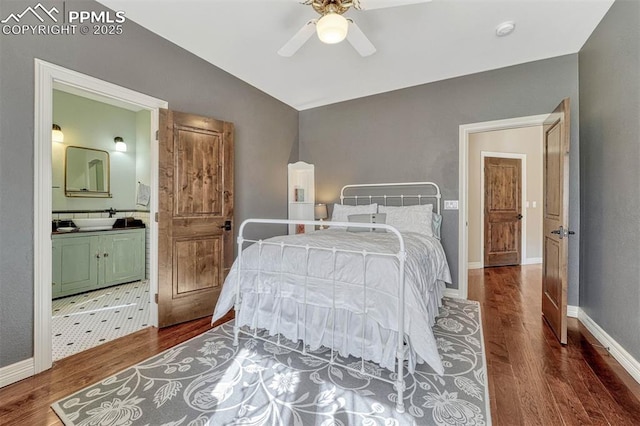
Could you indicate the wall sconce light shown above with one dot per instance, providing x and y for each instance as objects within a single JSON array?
[
  {"x": 120, "y": 145},
  {"x": 56, "y": 134},
  {"x": 320, "y": 213}
]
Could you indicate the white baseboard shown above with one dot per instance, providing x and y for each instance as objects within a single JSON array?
[
  {"x": 573, "y": 311},
  {"x": 475, "y": 265},
  {"x": 625, "y": 359},
  {"x": 452, "y": 292},
  {"x": 16, "y": 372},
  {"x": 532, "y": 261}
]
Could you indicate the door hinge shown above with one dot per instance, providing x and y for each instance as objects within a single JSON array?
[
  {"x": 156, "y": 298},
  {"x": 156, "y": 217},
  {"x": 157, "y": 134}
]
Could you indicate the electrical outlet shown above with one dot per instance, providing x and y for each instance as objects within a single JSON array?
[{"x": 451, "y": 204}]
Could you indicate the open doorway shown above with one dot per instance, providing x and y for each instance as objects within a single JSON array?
[
  {"x": 467, "y": 133},
  {"x": 49, "y": 77},
  {"x": 100, "y": 174},
  {"x": 505, "y": 197}
]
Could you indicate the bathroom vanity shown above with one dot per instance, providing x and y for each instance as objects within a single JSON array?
[{"x": 84, "y": 261}]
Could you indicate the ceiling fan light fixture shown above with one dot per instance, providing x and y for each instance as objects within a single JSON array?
[{"x": 332, "y": 28}]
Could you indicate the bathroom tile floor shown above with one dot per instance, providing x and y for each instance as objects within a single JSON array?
[{"x": 90, "y": 319}]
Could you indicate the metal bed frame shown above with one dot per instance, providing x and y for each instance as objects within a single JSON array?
[{"x": 401, "y": 349}]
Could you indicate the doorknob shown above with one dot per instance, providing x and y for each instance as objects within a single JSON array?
[
  {"x": 226, "y": 226},
  {"x": 561, "y": 232},
  {"x": 519, "y": 217}
]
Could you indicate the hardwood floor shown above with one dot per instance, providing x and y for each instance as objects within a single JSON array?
[{"x": 533, "y": 380}]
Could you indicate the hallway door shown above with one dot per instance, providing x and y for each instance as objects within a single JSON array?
[{"x": 502, "y": 211}]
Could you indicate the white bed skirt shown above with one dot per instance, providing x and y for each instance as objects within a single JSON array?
[{"x": 286, "y": 316}]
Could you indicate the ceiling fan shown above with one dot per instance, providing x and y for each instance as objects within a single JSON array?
[{"x": 332, "y": 27}]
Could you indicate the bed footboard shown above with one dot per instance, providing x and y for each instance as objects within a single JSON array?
[{"x": 400, "y": 255}]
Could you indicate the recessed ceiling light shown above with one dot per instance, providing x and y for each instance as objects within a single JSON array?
[{"x": 505, "y": 28}]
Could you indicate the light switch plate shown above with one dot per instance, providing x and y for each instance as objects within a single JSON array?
[{"x": 451, "y": 204}]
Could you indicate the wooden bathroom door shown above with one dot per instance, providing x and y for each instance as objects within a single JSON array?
[{"x": 195, "y": 214}]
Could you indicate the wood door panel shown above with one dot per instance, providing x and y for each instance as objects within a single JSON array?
[
  {"x": 502, "y": 211},
  {"x": 551, "y": 286},
  {"x": 556, "y": 219},
  {"x": 197, "y": 264},
  {"x": 196, "y": 199},
  {"x": 197, "y": 158},
  {"x": 503, "y": 182},
  {"x": 502, "y": 237},
  {"x": 553, "y": 202}
]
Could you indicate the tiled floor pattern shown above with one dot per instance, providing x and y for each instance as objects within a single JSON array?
[{"x": 86, "y": 320}]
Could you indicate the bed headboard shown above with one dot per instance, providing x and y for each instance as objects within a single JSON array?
[{"x": 393, "y": 194}]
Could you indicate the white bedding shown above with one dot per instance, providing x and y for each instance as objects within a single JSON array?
[{"x": 274, "y": 298}]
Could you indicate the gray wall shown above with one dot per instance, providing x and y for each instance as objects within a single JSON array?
[
  {"x": 266, "y": 137},
  {"x": 412, "y": 134},
  {"x": 610, "y": 154}
]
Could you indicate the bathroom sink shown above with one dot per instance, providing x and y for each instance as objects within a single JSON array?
[{"x": 94, "y": 223}]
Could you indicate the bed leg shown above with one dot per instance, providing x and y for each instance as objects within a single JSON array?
[
  {"x": 236, "y": 328},
  {"x": 400, "y": 383},
  {"x": 400, "y": 402}
]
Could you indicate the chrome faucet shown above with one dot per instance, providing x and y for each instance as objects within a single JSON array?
[{"x": 111, "y": 211}]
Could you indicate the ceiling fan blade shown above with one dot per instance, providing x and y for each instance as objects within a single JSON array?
[
  {"x": 298, "y": 39},
  {"x": 380, "y": 4},
  {"x": 359, "y": 41}
]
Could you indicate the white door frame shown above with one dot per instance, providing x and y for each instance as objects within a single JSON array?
[
  {"x": 463, "y": 169},
  {"x": 46, "y": 74},
  {"x": 523, "y": 193}
]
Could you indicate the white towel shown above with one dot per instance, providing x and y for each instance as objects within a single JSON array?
[{"x": 144, "y": 194}]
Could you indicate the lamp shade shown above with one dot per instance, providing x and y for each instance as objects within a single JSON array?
[
  {"x": 332, "y": 28},
  {"x": 320, "y": 211},
  {"x": 56, "y": 134}
]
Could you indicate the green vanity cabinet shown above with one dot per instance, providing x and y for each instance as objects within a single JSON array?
[
  {"x": 84, "y": 261},
  {"x": 123, "y": 257},
  {"x": 74, "y": 264}
]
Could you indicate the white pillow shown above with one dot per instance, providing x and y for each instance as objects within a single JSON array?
[
  {"x": 341, "y": 212},
  {"x": 410, "y": 218}
]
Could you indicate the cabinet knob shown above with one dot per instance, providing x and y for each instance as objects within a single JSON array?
[
  {"x": 105, "y": 255},
  {"x": 98, "y": 256}
]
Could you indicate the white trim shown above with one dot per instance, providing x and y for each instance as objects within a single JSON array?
[
  {"x": 475, "y": 265},
  {"x": 532, "y": 261},
  {"x": 46, "y": 75},
  {"x": 452, "y": 292},
  {"x": 573, "y": 311},
  {"x": 625, "y": 359},
  {"x": 463, "y": 217},
  {"x": 16, "y": 372},
  {"x": 523, "y": 193}
]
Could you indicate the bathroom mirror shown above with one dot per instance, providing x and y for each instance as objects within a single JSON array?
[{"x": 86, "y": 172}]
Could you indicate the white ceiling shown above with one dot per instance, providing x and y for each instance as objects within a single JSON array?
[{"x": 416, "y": 44}]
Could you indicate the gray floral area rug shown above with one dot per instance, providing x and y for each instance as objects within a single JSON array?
[{"x": 208, "y": 381}]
